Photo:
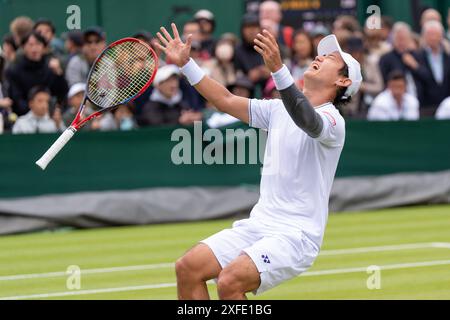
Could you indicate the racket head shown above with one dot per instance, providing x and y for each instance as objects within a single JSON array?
[{"x": 121, "y": 73}]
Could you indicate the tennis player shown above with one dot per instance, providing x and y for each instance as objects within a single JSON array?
[{"x": 283, "y": 235}]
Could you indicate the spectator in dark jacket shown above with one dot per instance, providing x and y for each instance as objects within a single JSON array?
[
  {"x": 166, "y": 106},
  {"x": 432, "y": 67},
  {"x": 395, "y": 60},
  {"x": 247, "y": 60},
  {"x": 32, "y": 69},
  {"x": 207, "y": 22}
]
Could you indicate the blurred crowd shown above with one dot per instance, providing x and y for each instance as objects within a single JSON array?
[{"x": 42, "y": 77}]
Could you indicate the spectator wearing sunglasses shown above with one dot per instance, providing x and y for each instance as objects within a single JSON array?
[{"x": 94, "y": 42}]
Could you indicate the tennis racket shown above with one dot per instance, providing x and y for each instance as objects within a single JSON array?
[{"x": 120, "y": 74}]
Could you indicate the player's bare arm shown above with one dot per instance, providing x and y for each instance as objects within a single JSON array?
[
  {"x": 295, "y": 102},
  {"x": 179, "y": 53}
]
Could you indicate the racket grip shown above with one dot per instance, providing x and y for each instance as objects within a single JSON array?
[{"x": 56, "y": 147}]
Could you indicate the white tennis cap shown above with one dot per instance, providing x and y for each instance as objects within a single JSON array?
[
  {"x": 165, "y": 73},
  {"x": 75, "y": 89},
  {"x": 329, "y": 45}
]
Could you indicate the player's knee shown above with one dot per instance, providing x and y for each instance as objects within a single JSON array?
[
  {"x": 228, "y": 285},
  {"x": 184, "y": 269}
]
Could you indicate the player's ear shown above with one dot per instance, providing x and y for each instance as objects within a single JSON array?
[{"x": 343, "y": 82}]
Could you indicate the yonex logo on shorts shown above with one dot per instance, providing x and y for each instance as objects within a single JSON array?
[{"x": 265, "y": 258}]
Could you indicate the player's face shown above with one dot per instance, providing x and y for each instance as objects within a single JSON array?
[{"x": 325, "y": 69}]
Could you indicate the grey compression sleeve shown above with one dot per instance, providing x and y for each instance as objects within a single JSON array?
[
  {"x": 296, "y": 104},
  {"x": 301, "y": 111}
]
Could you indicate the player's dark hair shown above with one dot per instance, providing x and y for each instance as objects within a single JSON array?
[
  {"x": 46, "y": 22},
  {"x": 340, "y": 100},
  {"x": 37, "y": 36},
  {"x": 35, "y": 90}
]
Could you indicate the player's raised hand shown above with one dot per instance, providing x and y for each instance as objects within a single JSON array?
[
  {"x": 175, "y": 49},
  {"x": 266, "y": 45}
]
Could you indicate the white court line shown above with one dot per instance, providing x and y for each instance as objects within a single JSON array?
[
  {"x": 170, "y": 285},
  {"x": 87, "y": 271},
  {"x": 410, "y": 246}
]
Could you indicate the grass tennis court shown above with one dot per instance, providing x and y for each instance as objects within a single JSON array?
[{"x": 411, "y": 245}]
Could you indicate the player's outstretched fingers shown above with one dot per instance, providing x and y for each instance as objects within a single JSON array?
[
  {"x": 267, "y": 41},
  {"x": 160, "y": 47},
  {"x": 176, "y": 34},
  {"x": 259, "y": 50},
  {"x": 162, "y": 39},
  {"x": 166, "y": 34},
  {"x": 260, "y": 44}
]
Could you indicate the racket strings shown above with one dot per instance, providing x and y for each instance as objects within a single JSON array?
[{"x": 121, "y": 73}]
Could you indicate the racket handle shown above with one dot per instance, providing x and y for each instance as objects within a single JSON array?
[{"x": 56, "y": 147}]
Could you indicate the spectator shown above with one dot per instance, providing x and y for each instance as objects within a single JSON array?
[
  {"x": 94, "y": 42},
  {"x": 46, "y": 28},
  {"x": 430, "y": 15},
  {"x": 19, "y": 28},
  {"x": 247, "y": 60},
  {"x": 221, "y": 67},
  {"x": 431, "y": 68},
  {"x": 301, "y": 57},
  {"x": 448, "y": 25},
  {"x": 272, "y": 27},
  {"x": 433, "y": 15},
  {"x": 443, "y": 112},
  {"x": 32, "y": 69},
  {"x": 398, "y": 58},
  {"x": 74, "y": 99},
  {"x": 192, "y": 97},
  {"x": 166, "y": 106},
  {"x": 147, "y": 37},
  {"x": 193, "y": 27},
  {"x": 376, "y": 41},
  {"x": 345, "y": 27},
  {"x": 317, "y": 34},
  {"x": 387, "y": 23},
  {"x": 121, "y": 118},
  {"x": 394, "y": 103},
  {"x": 5, "y": 106},
  {"x": 270, "y": 91},
  {"x": 242, "y": 87},
  {"x": 38, "y": 119},
  {"x": 371, "y": 85},
  {"x": 271, "y": 10},
  {"x": 207, "y": 25},
  {"x": 9, "y": 52},
  {"x": 73, "y": 44}
]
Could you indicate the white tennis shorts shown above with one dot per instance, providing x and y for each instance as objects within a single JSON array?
[{"x": 279, "y": 255}]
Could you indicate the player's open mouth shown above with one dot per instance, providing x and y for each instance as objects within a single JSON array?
[{"x": 315, "y": 66}]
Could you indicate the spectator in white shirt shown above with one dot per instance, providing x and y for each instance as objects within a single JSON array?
[
  {"x": 38, "y": 120},
  {"x": 394, "y": 103},
  {"x": 443, "y": 112}
]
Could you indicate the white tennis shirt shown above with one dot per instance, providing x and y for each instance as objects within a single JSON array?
[{"x": 298, "y": 170}]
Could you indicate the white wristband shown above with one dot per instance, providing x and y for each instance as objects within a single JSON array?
[
  {"x": 192, "y": 72},
  {"x": 283, "y": 78}
]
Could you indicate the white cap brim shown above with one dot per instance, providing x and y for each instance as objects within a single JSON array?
[
  {"x": 165, "y": 73},
  {"x": 330, "y": 44}
]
